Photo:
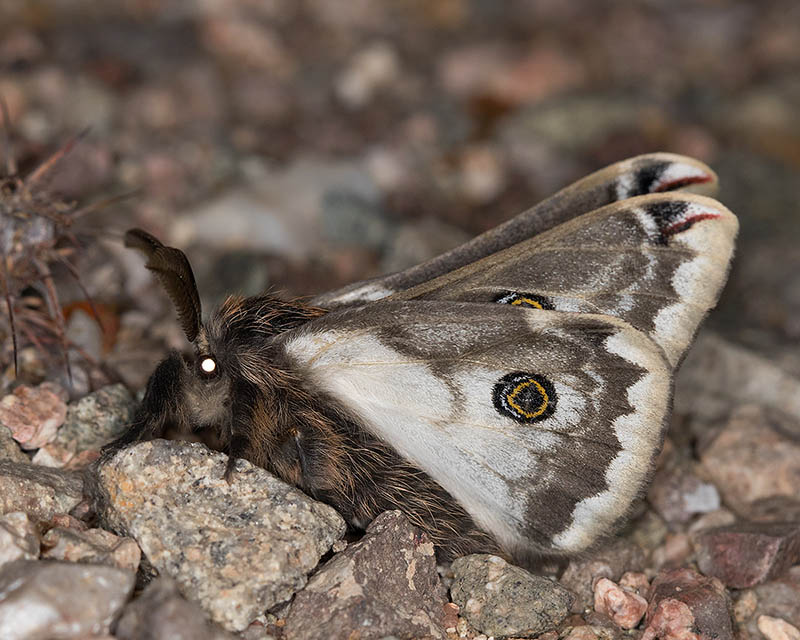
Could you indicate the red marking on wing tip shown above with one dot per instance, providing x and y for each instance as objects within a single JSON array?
[
  {"x": 686, "y": 223},
  {"x": 684, "y": 182}
]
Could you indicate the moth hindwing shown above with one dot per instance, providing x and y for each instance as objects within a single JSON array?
[{"x": 509, "y": 396}]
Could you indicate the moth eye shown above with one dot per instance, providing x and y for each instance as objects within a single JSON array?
[
  {"x": 525, "y": 397},
  {"x": 208, "y": 366},
  {"x": 530, "y": 300}
]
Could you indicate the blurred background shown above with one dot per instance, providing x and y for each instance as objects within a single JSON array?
[{"x": 302, "y": 144}]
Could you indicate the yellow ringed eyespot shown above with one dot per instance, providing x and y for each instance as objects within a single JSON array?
[
  {"x": 525, "y": 397},
  {"x": 529, "y": 300},
  {"x": 510, "y": 398}
]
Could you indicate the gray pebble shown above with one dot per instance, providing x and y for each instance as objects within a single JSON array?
[
  {"x": 60, "y": 600},
  {"x": 237, "y": 549},
  {"x": 19, "y": 538},
  {"x": 502, "y": 600},
  {"x": 384, "y": 585},
  {"x": 97, "y": 419},
  {"x": 161, "y": 612},
  {"x": 38, "y": 491},
  {"x": 9, "y": 449}
]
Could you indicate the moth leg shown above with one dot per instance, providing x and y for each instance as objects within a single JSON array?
[
  {"x": 160, "y": 406},
  {"x": 242, "y": 446},
  {"x": 253, "y": 438},
  {"x": 237, "y": 449},
  {"x": 239, "y": 441}
]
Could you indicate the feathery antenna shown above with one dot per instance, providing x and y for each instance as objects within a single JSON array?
[{"x": 173, "y": 270}]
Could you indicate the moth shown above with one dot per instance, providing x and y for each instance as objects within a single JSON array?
[{"x": 510, "y": 396}]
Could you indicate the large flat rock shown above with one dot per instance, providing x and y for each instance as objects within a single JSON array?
[{"x": 238, "y": 548}]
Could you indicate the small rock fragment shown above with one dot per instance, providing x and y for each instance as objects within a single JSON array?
[
  {"x": 649, "y": 530},
  {"x": 386, "y": 584},
  {"x": 482, "y": 175},
  {"x": 625, "y": 608},
  {"x": 83, "y": 460},
  {"x": 68, "y": 522},
  {"x": 161, "y": 612},
  {"x": 610, "y": 562},
  {"x": 635, "y": 582},
  {"x": 245, "y": 43},
  {"x": 775, "y": 509},
  {"x": 450, "y": 621},
  {"x": 686, "y": 606},
  {"x": 19, "y": 538},
  {"x": 91, "y": 422},
  {"x": 502, "y": 600},
  {"x": 748, "y": 553},
  {"x": 750, "y": 461},
  {"x": 582, "y": 632},
  {"x": 97, "y": 418},
  {"x": 674, "y": 552},
  {"x": 93, "y": 546},
  {"x": 237, "y": 548},
  {"x": 671, "y": 620},
  {"x": 777, "y": 629},
  {"x": 9, "y": 449},
  {"x": 20, "y": 45},
  {"x": 54, "y": 455},
  {"x": 602, "y": 625},
  {"x": 718, "y": 518},
  {"x": 38, "y": 491},
  {"x": 416, "y": 242},
  {"x": 745, "y": 606},
  {"x": 33, "y": 414},
  {"x": 777, "y": 599},
  {"x": 678, "y": 495},
  {"x": 257, "y": 631},
  {"x": 46, "y": 600}
]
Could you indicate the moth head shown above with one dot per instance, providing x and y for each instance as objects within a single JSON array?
[
  {"x": 234, "y": 358},
  {"x": 205, "y": 382}
]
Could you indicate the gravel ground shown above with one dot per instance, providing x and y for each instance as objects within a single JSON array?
[{"x": 299, "y": 145}]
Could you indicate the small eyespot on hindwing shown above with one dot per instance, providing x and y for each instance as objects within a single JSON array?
[
  {"x": 525, "y": 397},
  {"x": 530, "y": 300}
]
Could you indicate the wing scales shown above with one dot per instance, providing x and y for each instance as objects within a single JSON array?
[
  {"x": 614, "y": 261},
  {"x": 410, "y": 373}
]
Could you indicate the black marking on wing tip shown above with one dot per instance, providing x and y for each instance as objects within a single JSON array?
[
  {"x": 525, "y": 397},
  {"x": 528, "y": 300},
  {"x": 667, "y": 215},
  {"x": 650, "y": 179},
  {"x": 646, "y": 179}
]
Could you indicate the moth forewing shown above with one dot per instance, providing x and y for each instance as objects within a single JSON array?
[
  {"x": 698, "y": 280},
  {"x": 658, "y": 262},
  {"x": 645, "y": 174}
]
